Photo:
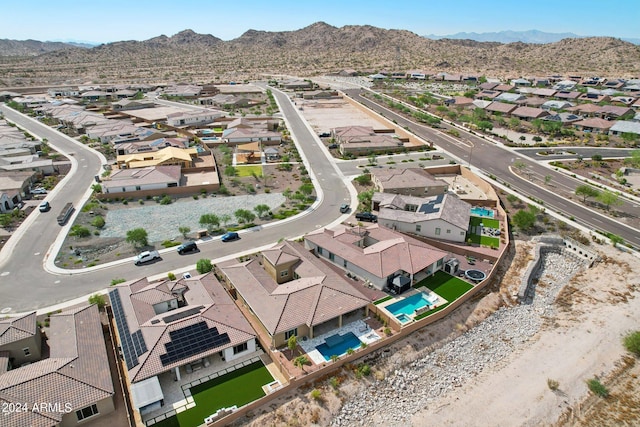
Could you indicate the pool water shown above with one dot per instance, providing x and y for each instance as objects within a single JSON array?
[
  {"x": 403, "y": 318},
  {"x": 349, "y": 340},
  {"x": 482, "y": 212},
  {"x": 408, "y": 305}
]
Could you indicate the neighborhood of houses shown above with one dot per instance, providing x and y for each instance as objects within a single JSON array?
[{"x": 328, "y": 298}]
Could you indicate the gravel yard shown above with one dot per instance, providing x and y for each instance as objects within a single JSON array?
[{"x": 166, "y": 219}]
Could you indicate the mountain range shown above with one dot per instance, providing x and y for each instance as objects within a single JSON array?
[
  {"x": 316, "y": 49},
  {"x": 530, "y": 36}
]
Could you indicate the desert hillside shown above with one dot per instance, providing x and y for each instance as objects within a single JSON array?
[{"x": 317, "y": 49}]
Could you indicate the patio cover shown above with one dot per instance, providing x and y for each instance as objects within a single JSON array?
[
  {"x": 251, "y": 146},
  {"x": 146, "y": 392}
]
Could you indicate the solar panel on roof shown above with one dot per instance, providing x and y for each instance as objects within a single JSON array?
[
  {"x": 182, "y": 314},
  {"x": 191, "y": 340},
  {"x": 131, "y": 347}
]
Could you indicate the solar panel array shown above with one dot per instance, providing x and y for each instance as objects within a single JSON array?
[
  {"x": 132, "y": 345},
  {"x": 187, "y": 313},
  {"x": 191, "y": 340},
  {"x": 432, "y": 206}
]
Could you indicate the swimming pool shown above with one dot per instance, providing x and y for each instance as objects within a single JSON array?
[
  {"x": 340, "y": 345},
  {"x": 403, "y": 318},
  {"x": 408, "y": 305},
  {"x": 482, "y": 212}
]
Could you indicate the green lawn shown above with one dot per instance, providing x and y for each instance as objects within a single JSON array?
[
  {"x": 238, "y": 388},
  {"x": 248, "y": 170},
  {"x": 484, "y": 240},
  {"x": 448, "y": 287}
]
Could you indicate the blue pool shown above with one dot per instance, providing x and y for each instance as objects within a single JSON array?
[
  {"x": 408, "y": 305},
  {"x": 339, "y": 345},
  {"x": 483, "y": 212},
  {"x": 403, "y": 318}
]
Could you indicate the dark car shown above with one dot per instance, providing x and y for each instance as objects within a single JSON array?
[
  {"x": 344, "y": 208},
  {"x": 187, "y": 247},
  {"x": 230, "y": 236},
  {"x": 332, "y": 146},
  {"x": 366, "y": 216}
]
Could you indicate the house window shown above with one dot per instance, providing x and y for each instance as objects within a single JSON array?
[
  {"x": 26, "y": 351},
  {"x": 437, "y": 231},
  {"x": 448, "y": 231},
  {"x": 344, "y": 263},
  {"x": 332, "y": 257},
  {"x": 172, "y": 184},
  {"x": 284, "y": 273},
  {"x": 291, "y": 333},
  {"x": 319, "y": 250},
  {"x": 462, "y": 233},
  {"x": 87, "y": 412},
  {"x": 440, "y": 261},
  {"x": 124, "y": 189},
  {"x": 240, "y": 348},
  {"x": 418, "y": 227},
  {"x": 137, "y": 188}
]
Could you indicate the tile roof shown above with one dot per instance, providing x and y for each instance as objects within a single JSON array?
[
  {"x": 594, "y": 122},
  {"x": 529, "y": 112},
  {"x": 387, "y": 252},
  {"x": 405, "y": 178},
  {"x": 206, "y": 302},
  {"x": 143, "y": 176},
  {"x": 449, "y": 208},
  {"x": 319, "y": 294},
  {"x": 501, "y": 107},
  {"x": 17, "y": 328},
  {"x": 76, "y": 372}
]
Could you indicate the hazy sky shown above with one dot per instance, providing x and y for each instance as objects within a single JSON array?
[{"x": 105, "y": 21}]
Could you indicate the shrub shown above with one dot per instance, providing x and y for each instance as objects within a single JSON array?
[
  {"x": 387, "y": 331},
  {"x": 334, "y": 382},
  {"x": 204, "y": 266},
  {"x": 597, "y": 387},
  {"x": 98, "y": 222},
  {"x": 116, "y": 281},
  {"x": 79, "y": 231},
  {"x": 170, "y": 243},
  {"x": 97, "y": 299},
  {"x": 632, "y": 343},
  {"x": 171, "y": 276},
  {"x": 553, "y": 384},
  {"x": 166, "y": 200},
  {"x": 316, "y": 394}
]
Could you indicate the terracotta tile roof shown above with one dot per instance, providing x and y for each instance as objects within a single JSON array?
[
  {"x": 17, "y": 328},
  {"x": 450, "y": 209},
  {"x": 385, "y": 252},
  {"x": 143, "y": 176},
  {"x": 585, "y": 108},
  {"x": 501, "y": 107},
  {"x": 529, "y": 112},
  {"x": 76, "y": 373},
  {"x": 318, "y": 295},
  {"x": 405, "y": 178},
  {"x": 206, "y": 301},
  {"x": 594, "y": 122}
]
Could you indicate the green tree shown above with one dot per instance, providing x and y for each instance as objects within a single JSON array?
[
  {"x": 211, "y": 221},
  {"x": 586, "y": 191},
  {"x": 184, "y": 230},
  {"x": 292, "y": 344},
  {"x": 79, "y": 231},
  {"x": 514, "y": 123},
  {"x": 524, "y": 219},
  {"x": 204, "y": 265},
  {"x": 365, "y": 198},
  {"x": 244, "y": 216},
  {"x": 629, "y": 137},
  {"x": 519, "y": 165},
  {"x": 364, "y": 179},
  {"x": 138, "y": 237},
  {"x": 261, "y": 210},
  {"x": 484, "y": 125},
  {"x": 300, "y": 361},
  {"x": 230, "y": 171},
  {"x": 98, "y": 300},
  {"x": 225, "y": 219},
  {"x": 609, "y": 198},
  {"x": 634, "y": 159},
  {"x": 97, "y": 188}
]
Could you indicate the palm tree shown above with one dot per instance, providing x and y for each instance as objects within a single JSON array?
[{"x": 300, "y": 361}]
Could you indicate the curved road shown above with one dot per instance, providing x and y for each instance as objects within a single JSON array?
[
  {"x": 496, "y": 160},
  {"x": 26, "y": 285}
]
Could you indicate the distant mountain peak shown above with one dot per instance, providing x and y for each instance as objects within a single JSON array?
[{"x": 509, "y": 36}]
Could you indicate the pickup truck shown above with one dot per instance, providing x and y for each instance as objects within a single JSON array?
[
  {"x": 366, "y": 216},
  {"x": 146, "y": 256}
]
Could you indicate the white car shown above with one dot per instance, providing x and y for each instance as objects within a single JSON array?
[
  {"x": 146, "y": 256},
  {"x": 38, "y": 190}
]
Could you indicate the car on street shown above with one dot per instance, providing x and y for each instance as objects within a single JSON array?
[
  {"x": 44, "y": 206},
  {"x": 230, "y": 236},
  {"x": 146, "y": 256},
  {"x": 38, "y": 190},
  {"x": 187, "y": 247},
  {"x": 344, "y": 208},
  {"x": 366, "y": 216}
]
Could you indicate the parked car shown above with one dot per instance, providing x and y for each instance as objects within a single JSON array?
[
  {"x": 146, "y": 256},
  {"x": 324, "y": 135},
  {"x": 44, "y": 206},
  {"x": 366, "y": 216},
  {"x": 230, "y": 236},
  {"x": 187, "y": 247},
  {"x": 186, "y": 275},
  {"x": 332, "y": 146},
  {"x": 38, "y": 190},
  {"x": 344, "y": 208}
]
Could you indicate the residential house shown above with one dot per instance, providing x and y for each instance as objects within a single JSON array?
[
  {"x": 534, "y": 102},
  {"x": 291, "y": 292},
  {"x": 487, "y": 85},
  {"x": 541, "y": 81},
  {"x": 481, "y": 103},
  {"x": 21, "y": 338},
  {"x": 167, "y": 328},
  {"x": 556, "y": 105},
  {"x": 164, "y": 157},
  {"x": 184, "y": 91},
  {"x": 625, "y": 101},
  {"x": 320, "y": 94},
  {"x": 504, "y": 88},
  {"x": 501, "y": 108},
  {"x": 486, "y": 94},
  {"x": 623, "y": 126},
  {"x": 364, "y": 139},
  {"x": 563, "y": 118},
  {"x": 146, "y": 178},
  {"x": 614, "y": 112},
  {"x": 226, "y": 101},
  {"x": 459, "y": 101},
  {"x": 543, "y": 93},
  {"x": 520, "y": 82},
  {"x": 193, "y": 117},
  {"x": 131, "y": 104},
  {"x": 63, "y": 92},
  {"x": 6, "y": 95},
  {"x": 592, "y": 81},
  {"x": 594, "y": 125},
  {"x": 348, "y": 73},
  {"x": 417, "y": 75},
  {"x": 565, "y": 85},
  {"x": 239, "y": 89},
  {"x": 594, "y": 97},
  {"x": 74, "y": 382},
  {"x": 566, "y": 94},
  {"x": 529, "y": 113},
  {"x": 444, "y": 216},
  {"x": 410, "y": 182},
  {"x": 376, "y": 254},
  {"x": 94, "y": 95},
  {"x": 509, "y": 97},
  {"x": 589, "y": 110},
  {"x": 132, "y": 147},
  {"x": 17, "y": 183},
  {"x": 614, "y": 84},
  {"x": 241, "y": 134},
  {"x": 297, "y": 84}
]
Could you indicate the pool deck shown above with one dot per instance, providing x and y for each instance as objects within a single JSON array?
[{"x": 359, "y": 328}]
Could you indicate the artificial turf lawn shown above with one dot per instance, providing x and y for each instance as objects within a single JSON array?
[
  {"x": 448, "y": 287},
  {"x": 246, "y": 170},
  {"x": 484, "y": 240},
  {"x": 238, "y": 388}
]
